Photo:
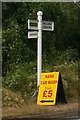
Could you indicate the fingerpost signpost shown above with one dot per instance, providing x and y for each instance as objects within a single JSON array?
[
  {"x": 50, "y": 84},
  {"x": 39, "y": 25}
]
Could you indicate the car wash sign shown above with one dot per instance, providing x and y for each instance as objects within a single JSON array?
[{"x": 49, "y": 89}]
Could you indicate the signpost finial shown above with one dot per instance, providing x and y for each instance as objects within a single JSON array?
[{"x": 40, "y": 13}]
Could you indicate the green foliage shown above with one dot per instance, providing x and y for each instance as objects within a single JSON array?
[
  {"x": 22, "y": 78},
  {"x": 68, "y": 55},
  {"x": 17, "y": 47},
  {"x": 68, "y": 67},
  {"x": 70, "y": 78}
]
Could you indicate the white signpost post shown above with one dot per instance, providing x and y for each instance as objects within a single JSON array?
[{"x": 39, "y": 25}]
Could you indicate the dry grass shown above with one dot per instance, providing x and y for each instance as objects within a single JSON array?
[
  {"x": 15, "y": 105},
  {"x": 34, "y": 109}
]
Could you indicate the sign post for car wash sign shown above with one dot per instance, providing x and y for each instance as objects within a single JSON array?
[{"x": 39, "y": 25}]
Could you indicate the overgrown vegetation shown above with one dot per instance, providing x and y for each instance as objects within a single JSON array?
[
  {"x": 23, "y": 77},
  {"x": 60, "y": 48}
]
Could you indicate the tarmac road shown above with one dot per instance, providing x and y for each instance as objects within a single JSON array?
[{"x": 59, "y": 115}]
